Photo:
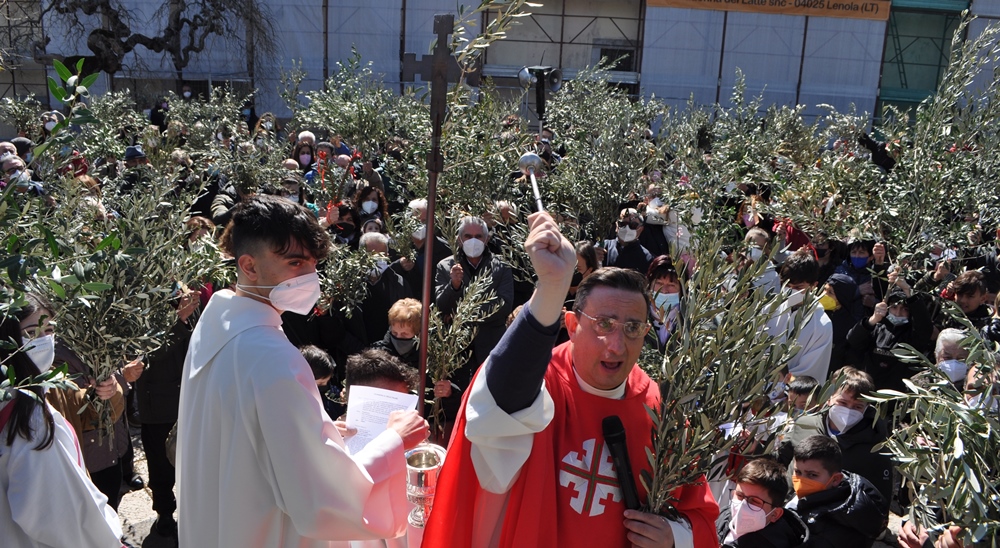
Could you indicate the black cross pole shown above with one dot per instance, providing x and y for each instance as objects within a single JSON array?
[{"x": 437, "y": 72}]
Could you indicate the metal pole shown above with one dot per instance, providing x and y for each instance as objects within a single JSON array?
[{"x": 443, "y": 25}]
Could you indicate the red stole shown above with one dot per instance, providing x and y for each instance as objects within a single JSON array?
[{"x": 567, "y": 493}]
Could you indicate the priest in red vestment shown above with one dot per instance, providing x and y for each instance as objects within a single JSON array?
[{"x": 527, "y": 464}]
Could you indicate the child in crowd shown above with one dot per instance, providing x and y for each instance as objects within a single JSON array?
[
  {"x": 841, "y": 508},
  {"x": 323, "y": 370},
  {"x": 801, "y": 395},
  {"x": 755, "y": 516},
  {"x": 855, "y": 426}
]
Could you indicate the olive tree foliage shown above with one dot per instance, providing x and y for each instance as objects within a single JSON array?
[
  {"x": 112, "y": 279},
  {"x": 945, "y": 441},
  {"x": 604, "y": 132},
  {"x": 718, "y": 364},
  {"x": 179, "y": 28}
]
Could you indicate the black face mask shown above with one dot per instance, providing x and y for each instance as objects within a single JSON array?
[
  {"x": 403, "y": 346},
  {"x": 345, "y": 231},
  {"x": 822, "y": 252}
]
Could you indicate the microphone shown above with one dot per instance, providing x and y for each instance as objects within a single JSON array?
[{"x": 614, "y": 437}]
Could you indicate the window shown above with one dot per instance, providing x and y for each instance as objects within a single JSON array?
[{"x": 917, "y": 49}]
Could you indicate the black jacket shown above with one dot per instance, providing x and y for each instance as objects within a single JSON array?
[
  {"x": 844, "y": 318},
  {"x": 653, "y": 239},
  {"x": 382, "y": 294},
  {"x": 415, "y": 276},
  {"x": 788, "y": 532},
  {"x": 491, "y": 328},
  {"x": 158, "y": 390},
  {"x": 631, "y": 255},
  {"x": 872, "y": 344},
  {"x": 856, "y": 446},
  {"x": 852, "y": 514}
]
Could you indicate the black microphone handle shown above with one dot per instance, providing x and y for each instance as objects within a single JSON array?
[{"x": 623, "y": 467}]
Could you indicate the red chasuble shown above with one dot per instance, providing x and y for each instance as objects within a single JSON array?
[{"x": 567, "y": 493}]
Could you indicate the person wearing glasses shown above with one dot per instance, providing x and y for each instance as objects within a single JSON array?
[
  {"x": 528, "y": 464},
  {"x": 756, "y": 516},
  {"x": 625, "y": 251}
]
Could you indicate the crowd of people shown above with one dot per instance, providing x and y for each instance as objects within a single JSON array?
[{"x": 252, "y": 379}]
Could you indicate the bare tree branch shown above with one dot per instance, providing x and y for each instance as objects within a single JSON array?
[{"x": 185, "y": 28}]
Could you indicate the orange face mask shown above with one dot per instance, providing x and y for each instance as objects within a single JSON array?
[{"x": 805, "y": 486}]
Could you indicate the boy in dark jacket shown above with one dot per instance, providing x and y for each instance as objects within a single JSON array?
[
  {"x": 903, "y": 318},
  {"x": 755, "y": 517},
  {"x": 840, "y": 508},
  {"x": 854, "y": 425}
]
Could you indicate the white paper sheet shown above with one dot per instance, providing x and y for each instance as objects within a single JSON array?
[{"x": 368, "y": 410}]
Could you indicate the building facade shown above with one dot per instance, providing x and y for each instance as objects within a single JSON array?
[{"x": 790, "y": 54}]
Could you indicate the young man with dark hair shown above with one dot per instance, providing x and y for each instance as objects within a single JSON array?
[
  {"x": 815, "y": 338},
  {"x": 380, "y": 369},
  {"x": 531, "y": 425},
  {"x": 756, "y": 517},
  {"x": 841, "y": 508},
  {"x": 855, "y": 426},
  {"x": 259, "y": 463}
]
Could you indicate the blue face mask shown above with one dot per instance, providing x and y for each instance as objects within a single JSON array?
[{"x": 859, "y": 262}]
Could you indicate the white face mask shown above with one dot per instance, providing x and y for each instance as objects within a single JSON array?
[
  {"x": 369, "y": 206},
  {"x": 293, "y": 198},
  {"x": 844, "y": 418},
  {"x": 745, "y": 519},
  {"x": 50, "y": 125},
  {"x": 473, "y": 248},
  {"x": 755, "y": 253},
  {"x": 268, "y": 126},
  {"x": 896, "y": 320},
  {"x": 627, "y": 235},
  {"x": 955, "y": 369},
  {"x": 665, "y": 301},
  {"x": 42, "y": 351},
  {"x": 795, "y": 298},
  {"x": 380, "y": 266},
  {"x": 989, "y": 403},
  {"x": 218, "y": 136},
  {"x": 420, "y": 233},
  {"x": 187, "y": 94},
  {"x": 298, "y": 294}
]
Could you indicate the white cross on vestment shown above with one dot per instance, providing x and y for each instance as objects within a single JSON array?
[{"x": 594, "y": 480}]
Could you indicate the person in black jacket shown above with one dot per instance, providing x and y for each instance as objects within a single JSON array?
[
  {"x": 842, "y": 509},
  {"x": 158, "y": 392},
  {"x": 385, "y": 287},
  {"x": 855, "y": 426},
  {"x": 903, "y": 318},
  {"x": 845, "y": 311},
  {"x": 625, "y": 251},
  {"x": 413, "y": 270},
  {"x": 402, "y": 341},
  {"x": 755, "y": 517},
  {"x": 452, "y": 278}
]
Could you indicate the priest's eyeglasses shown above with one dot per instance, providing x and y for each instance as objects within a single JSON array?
[
  {"x": 755, "y": 503},
  {"x": 604, "y": 326}
]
